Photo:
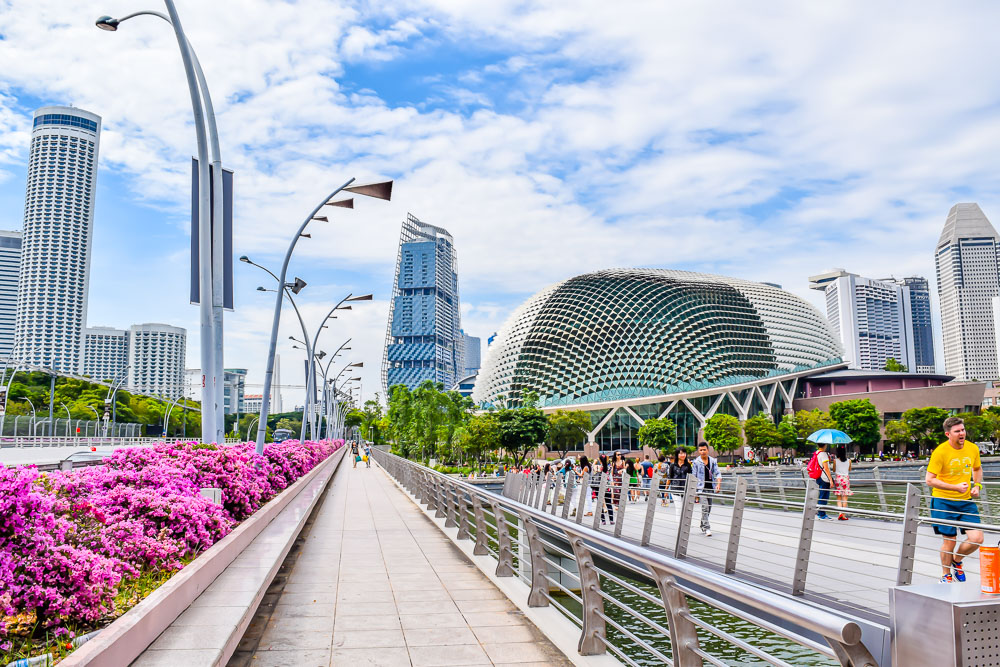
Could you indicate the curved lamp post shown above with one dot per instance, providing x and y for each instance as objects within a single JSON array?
[
  {"x": 210, "y": 274},
  {"x": 376, "y": 190}
]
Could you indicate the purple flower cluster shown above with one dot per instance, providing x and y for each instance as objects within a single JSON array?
[{"x": 68, "y": 538}]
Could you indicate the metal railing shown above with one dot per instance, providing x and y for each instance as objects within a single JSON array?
[
  {"x": 62, "y": 441},
  {"x": 591, "y": 576},
  {"x": 771, "y": 531}
]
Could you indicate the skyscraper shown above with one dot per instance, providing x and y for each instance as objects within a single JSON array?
[
  {"x": 105, "y": 352},
  {"x": 10, "y": 271},
  {"x": 872, "y": 318},
  {"x": 920, "y": 318},
  {"x": 58, "y": 231},
  {"x": 968, "y": 277},
  {"x": 156, "y": 354},
  {"x": 472, "y": 355},
  {"x": 423, "y": 339},
  {"x": 233, "y": 390}
]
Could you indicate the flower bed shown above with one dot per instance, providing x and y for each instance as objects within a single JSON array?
[{"x": 78, "y": 548}]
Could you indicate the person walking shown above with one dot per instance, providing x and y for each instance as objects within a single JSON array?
[
  {"x": 647, "y": 474},
  {"x": 662, "y": 468},
  {"x": 955, "y": 475},
  {"x": 607, "y": 467},
  {"x": 842, "y": 480},
  {"x": 706, "y": 469},
  {"x": 585, "y": 469},
  {"x": 632, "y": 475},
  {"x": 680, "y": 468},
  {"x": 355, "y": 452}
]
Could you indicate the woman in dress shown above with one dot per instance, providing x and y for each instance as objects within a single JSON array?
[
  {"x": 632, "y": 475},
  {"x": 585, "y": 469},
  {"x": 680, "y": 468},
  {"x": 842, "y": 480}
]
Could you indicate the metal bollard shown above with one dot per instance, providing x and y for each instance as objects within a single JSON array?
[
  {"x": 539, "y": 568},
  {"x": 594, "y": 628},
  {"x": 505, "y": 555},
  {"x": 683, "y": 633}
]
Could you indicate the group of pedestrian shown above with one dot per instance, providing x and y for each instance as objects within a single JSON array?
[
  {"x": 837, "y": 477},
  {"x": 361, "y": 453}
]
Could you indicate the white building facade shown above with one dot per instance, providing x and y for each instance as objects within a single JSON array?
[
  {"x": 105, "y": 353},
  {"x": 871, "y": 317},
  {"x": 967, "y": 259},
  {"x": 10, "y": 272},
  {"x": 156, "y": 354},
  {"x": 57, "y": 238}
]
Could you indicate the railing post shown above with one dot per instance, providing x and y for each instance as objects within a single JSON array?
[
  {"x": 622, "y": 501},
  {"x": 450, "y": 490},
  {"x": 756, "y": 481},
  {"x": 736, "y": 524},
  {"x": 581, "y": 505},
  {"x": 687, "y": 511},
  {"x": 440, "y": 501},
  {"x": 654, "y": 493},
  {"x": 430, "y": 492},
  {"x": 594, "y": 628},
  {"x": 544, "y": 495},
  {"x": 463, "y": 514},
  {"x": 532, "y": 489},
  {"x": 599, "y": 504},
  {"x": 927, "y": 498},
  {"x": 568, "y": 493},
  {"x": 877, "y": 474},
  {"x": 555, "y": 493},
  {"x": 907, "y": 551},
  {"x": 781, "y": 488},
  {"x": 809, "y": 509},
  {"x": 505, "y": 555},
  {"x": 481, "y": 541},
  {"x": 683, "y": 633},
  {"x": 539, "y": 568}
]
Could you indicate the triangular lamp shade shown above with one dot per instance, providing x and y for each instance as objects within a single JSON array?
[
  {"x": 376, "y": 190},
  {"x": 343, "y": 203}
]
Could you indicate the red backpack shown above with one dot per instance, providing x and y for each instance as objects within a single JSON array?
[{"x": 814, "y": 469}]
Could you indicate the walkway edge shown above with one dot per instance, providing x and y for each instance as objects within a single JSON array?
[
  {"x": 559, "y": 630},
  {"x": 125, "y": 639}
]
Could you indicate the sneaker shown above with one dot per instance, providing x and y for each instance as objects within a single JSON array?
[
  {"x": 825, "y": 518},
  {"x": 708, "y": 533},
  {"x": 841, "y": 518},
  {"x": 702, "y": 529},
  {"x": 946, "y": 579},
  {"x": 959, "y": 572}
]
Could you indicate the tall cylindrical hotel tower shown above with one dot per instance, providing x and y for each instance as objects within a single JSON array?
[{"x": 58, "y": 234}]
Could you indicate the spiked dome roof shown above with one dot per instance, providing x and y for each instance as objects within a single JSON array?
[{"x": 630, "y": 333}]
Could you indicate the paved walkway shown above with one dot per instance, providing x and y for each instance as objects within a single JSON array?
[{"x": 377, "y": 583}]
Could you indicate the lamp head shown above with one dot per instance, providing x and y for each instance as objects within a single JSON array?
[
  {"x": 376, "y": 190},
  {"x": 298, "y": 285},
  {"x": 363, "y": 297},
  {"x": 261, "y": 289},
  {"x": 320, "y": 354},
  {"x": 343, "y": 308},
  {"x": 244, "y": 259},
  {"x": 107, "y": 23},
  {"x": 359, "y": 364}
]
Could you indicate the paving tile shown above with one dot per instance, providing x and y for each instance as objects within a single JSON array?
[
  {"x": 365, "y": 608},
  {"x": 310, "y": 658},
  {"x": 493, "y": 618},
  {"x": 379, "y": 622},
  {"x": 477, "y": 594},
  {"x": 194, "y": 637},
  {"x": 352, "y": 638},
  {"x": 300, "y": 623},
  {"x": 297, "y": 610},
  {"x": 458, "y": 654},
  {"x": 416, "y": 621},
  {"x": 409, "y": 594},
  {"x": 484, "y": 605},
  {"x": 506, "y": 634},
  {"x": 521, "y": 652},
  {"x": 308, "y": 598},
  {"x": 172, "y": 658},
  {"x": 439, "y": 636},
  {"x": 293, "y": 640},
  {"x": 370, "y": 657},
  {"x": 365, "y": 596},
  {"x": 206, "y": 615},
  {"x": 426, "y": 607}
]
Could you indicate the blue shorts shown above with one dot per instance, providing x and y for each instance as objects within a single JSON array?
[{"x": 953, "y": 510}]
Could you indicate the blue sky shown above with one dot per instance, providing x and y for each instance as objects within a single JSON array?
[{"x": 549, "y": 138}]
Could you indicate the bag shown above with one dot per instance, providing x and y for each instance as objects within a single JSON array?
[
  {"x": 365, "y": 458},
  {"x": 814, "y": 469}
]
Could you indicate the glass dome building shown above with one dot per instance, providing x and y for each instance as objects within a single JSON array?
[{"x": 630, "y": 344}]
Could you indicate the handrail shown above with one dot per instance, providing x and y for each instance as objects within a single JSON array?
[{"x": 441, "y": 491}]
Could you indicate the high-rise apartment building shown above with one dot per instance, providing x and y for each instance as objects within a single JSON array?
[
  {"x": 423, "y": 339},
  {"x": 10, "y": 272},
  {"x": 920, "y": 318},
  {"x": 233, "y": 389},
  {"x": 872, "y": 318},
  {"x": 252, "y": 403},
  {"x": 105, "y": 352},
  {"x": 967, "y": 259},
  {"x": 156, "y": 354},
  {"x": 57, "y": 237},
  {"x": 472, "y": 355}
]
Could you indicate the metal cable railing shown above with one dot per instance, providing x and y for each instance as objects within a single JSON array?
[{"x": 636, "y": 603}]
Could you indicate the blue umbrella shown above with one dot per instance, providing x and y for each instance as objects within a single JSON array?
[{"x": 829, "y": 436}]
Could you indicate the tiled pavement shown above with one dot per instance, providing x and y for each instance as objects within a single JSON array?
[{"x": 377, "y": 583}]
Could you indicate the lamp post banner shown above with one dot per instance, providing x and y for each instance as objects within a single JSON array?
[{"x": 227, "y": 233}]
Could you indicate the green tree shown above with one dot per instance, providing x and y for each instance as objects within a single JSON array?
[
  {"x": 761, "y": 433},
  {"x": 521, "y": 430},
  {"x": 723, "y": 432},
  {"x": 788, "y": 433},
  {"x": 926, "y": 426},
  {"x": 658, "y": 434},
  {"x": 567, "y": 429},
  {"x": 992, "y": 418},
  {"x": 810, "y": 421},
  {"x": 977, "y": 428},
  {"x": 354, "y": 418},
  {"x": 400, "y": 420},
  {"x": 894, "y": 366},
  {"x": 859, "y": 419},
  {"x": 480, "y": 435},
  {"x": 898, "y": 434}
]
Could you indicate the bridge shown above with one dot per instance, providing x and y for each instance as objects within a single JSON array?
[{"x": 400, "y": 565}]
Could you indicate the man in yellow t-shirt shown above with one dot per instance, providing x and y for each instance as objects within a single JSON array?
[{"x": 955, "y": 475}]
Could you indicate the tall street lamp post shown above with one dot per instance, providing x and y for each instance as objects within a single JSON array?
[
  {"x": 376, "y": 190},
  {"x": 210, "y": 274}
]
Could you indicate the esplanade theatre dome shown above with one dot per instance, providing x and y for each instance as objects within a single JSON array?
[{"x": 623, "y": 334}]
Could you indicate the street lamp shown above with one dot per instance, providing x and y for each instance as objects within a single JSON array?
[
  {"x": 210, "y": 274},
  {"x": 376, "y": 190}
]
